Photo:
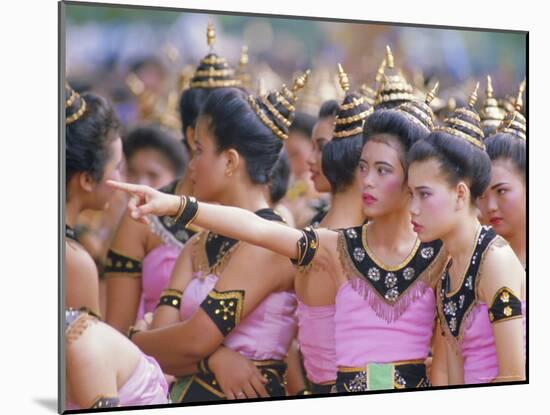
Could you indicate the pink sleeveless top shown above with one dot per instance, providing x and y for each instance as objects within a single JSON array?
[
  {"x": 316, "y": 340},
  {"x": 146, "y": 386},
  {"x": 465, "y": 319},
  {"x": 265, "y": 334},
  {"x": 382, "y": 315},
  {"x": 478, "y": 346},
  {"x": 157, "y": 268},
  {"x": 363, "y": 336}
]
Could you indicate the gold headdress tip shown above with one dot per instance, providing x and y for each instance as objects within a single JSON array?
[
  {"x": 210, "y": 34},
  {"x": 522, "y": 85},
  {"x": 473, "y": 97},
  {"x": 431, "y": 95},
  {"x": 389, "y": 57},
  {"x": 489, "y": 87},
  {"x": 380, "y": 71},
  {"x": 300, "y": 81},
  {"x": 343, "y": 77},
  {"x": 518, "y": 104},
  {"x": 243, "y": 61}
]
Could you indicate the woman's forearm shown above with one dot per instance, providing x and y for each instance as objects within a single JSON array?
[
  {"x": 246, "y": 226},
  {"x": 175, "y": 347}
]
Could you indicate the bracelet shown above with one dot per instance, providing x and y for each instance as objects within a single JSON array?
[
  {"x": 183, "y": 201},
  {"x": 170, "y": 297},
  {"x": 203, "y": 366},
  {"x": 132, "y": 331},
  {"x": 187, "y": 212}
]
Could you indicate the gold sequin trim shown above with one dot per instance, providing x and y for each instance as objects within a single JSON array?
[
  {"x": 462, "y": 135},
  {"x": 380, "y": 264},
  {"x": 268, "y": 123},
  {"x": 356, "y": 102},
  {"x": 353, "y": 118}
]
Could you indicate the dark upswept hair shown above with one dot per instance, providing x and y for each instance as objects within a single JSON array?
[
  {"x": 394, "y": 123},
  {"x": 458, "y": 160},
  {"x": 303, "y": 123},
  {"x": 190, "y": 104},
  {"x": 328, "y": 108},
  {"x": 341, "y": 155},
  {"x": 87, "y": 138},
  {"x": 280, "y": 175},
  {"x": 160, "y": 139},
  {"x": 505, "y": 146},
  {"x": 236, "y": 125}
]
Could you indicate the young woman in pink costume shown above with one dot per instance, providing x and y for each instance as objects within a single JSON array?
[
  {"x": 504, "y": 203},
  {"x": 142, "y": 257},
  {"x": 103, "y": 368},
  {"x": 223, "y": 291},
  {"x": 384, "y": 276},
  {"x": 481, "y": 306}
]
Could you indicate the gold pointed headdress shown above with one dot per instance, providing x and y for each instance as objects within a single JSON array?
[
  {"x": 276, "y": 109},
  {"x": 213, "y": 70},
  {"x": 491, "y": 114},
  {"x": 75, "y": 105},
  {"x": 464, "y": 123},
  {"x": 370, "y": 93},
  {"x": 352, "y": 112},
  {"x": 420, "y": 112},
  {"x": 394, "y": 89},
  {"x": 243, "y": 75},
  {"x": 514, "y": 122}
]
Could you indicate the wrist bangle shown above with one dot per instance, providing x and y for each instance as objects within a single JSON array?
[
  {"x": 186, "y": 213},
  {"x": 203, "y": 366},
  {"x": 180, "y": 208},
  {"x": 170, "y": 297},
  {"x": 132, "y": 331}
]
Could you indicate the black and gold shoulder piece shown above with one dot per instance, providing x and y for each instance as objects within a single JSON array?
[
  {"x": 224, "y": 308},
  {"x": 212, "y": 250},
  {"x": 505, "y": 306},
  {"x": 454, "y": 307},
  {"x": 165, "y": 228},
  {"x": 307, "y": 247},
  {"x": 118, "y": 263},
  {"x": 386, "y": 286},
  {"x": 105, "y": 402}
]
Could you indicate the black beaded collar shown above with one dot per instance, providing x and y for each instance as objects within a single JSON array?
[
  {"x": 454, "y": 307},
  {"x": 389, "y": 282},
  {"x": 217, "y": 246}
]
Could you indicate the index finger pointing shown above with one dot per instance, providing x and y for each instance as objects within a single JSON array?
[{"x": 127, "y": 187}]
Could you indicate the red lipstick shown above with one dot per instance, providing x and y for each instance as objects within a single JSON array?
[
  {"x": 495, "y": 221},
  {"x": 369, "y": 199},
  {"x": 416, "y": 227}
]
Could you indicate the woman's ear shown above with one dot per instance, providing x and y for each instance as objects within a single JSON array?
[
  {"x": 462, "y": 195},
  {"x": 190, "y": 137},
  {"x": 86, "y": 181},
  {"x": 233, "y": 161}
]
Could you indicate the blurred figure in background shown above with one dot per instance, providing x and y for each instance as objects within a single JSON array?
[
  {"x": 278, "y": 187},
  {"x": 301, "y": 197},
  {"x": 154, "y": 156}
]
